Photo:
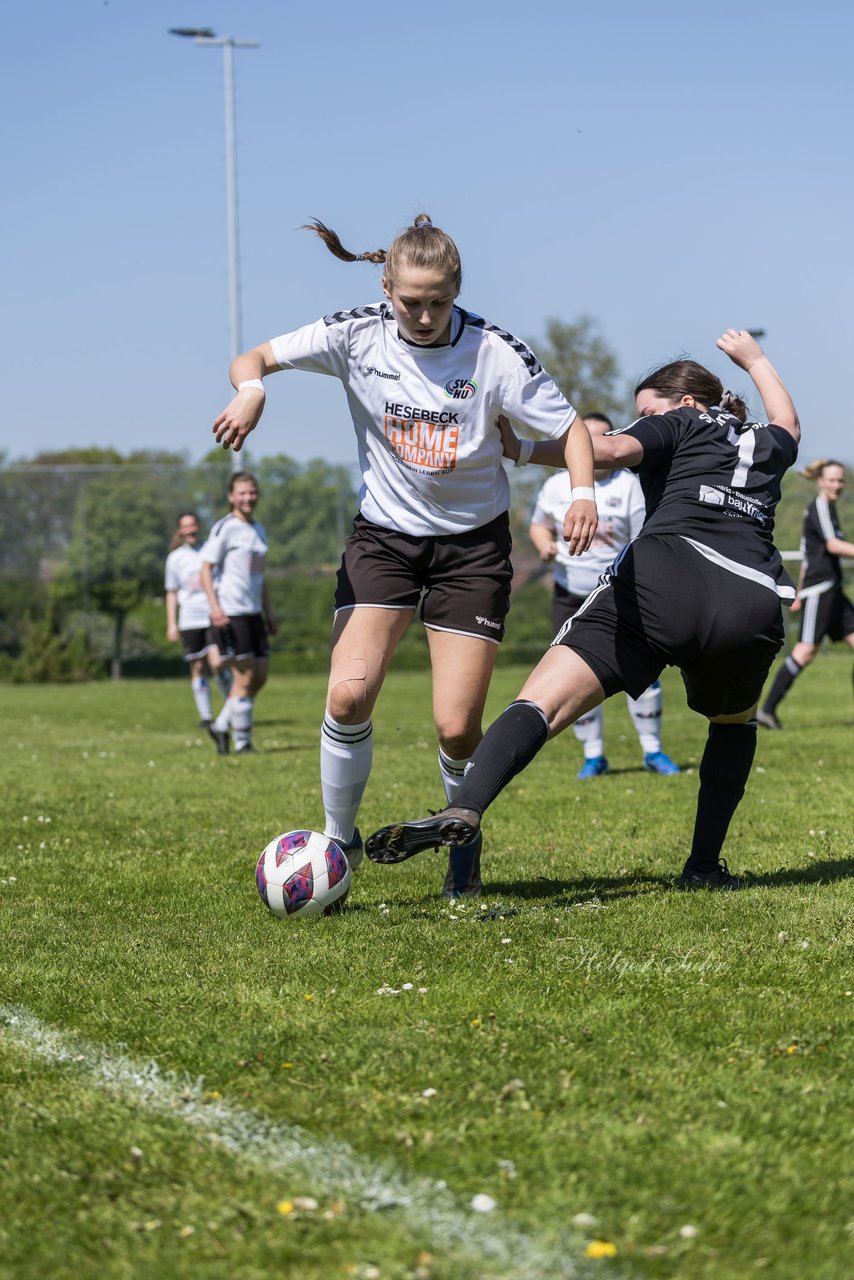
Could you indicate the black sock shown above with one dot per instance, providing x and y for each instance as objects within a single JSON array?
[
  {"x": 783, "y": 681},
  {"x": 508, "y": 745},
  {"x": 724, "y": 771}
]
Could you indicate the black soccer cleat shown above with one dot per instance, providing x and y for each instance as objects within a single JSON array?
[
  {"x": 720, "y": 877},
  {"x": 220, "y": 737},
  {"x": 404, "y": 839},
  {"x": 767, "y": 719}
]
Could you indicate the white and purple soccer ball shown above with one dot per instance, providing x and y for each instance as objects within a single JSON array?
[{"x": 303, "y": 873}]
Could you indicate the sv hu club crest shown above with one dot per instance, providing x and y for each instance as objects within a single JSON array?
[{"x": 460, "y": 389}]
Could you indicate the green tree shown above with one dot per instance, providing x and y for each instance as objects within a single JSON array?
[
  {"x": 306, "y": 510},
  {"x": 121, "y": 528},
  {"x": 583, "y": 366},
  {"x": 587, "y": 371}
]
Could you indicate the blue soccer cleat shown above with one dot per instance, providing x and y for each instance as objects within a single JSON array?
[
  {"x": 659, "y": 762},
  {"x": 593, "y": 768},
  {"x": 463, "y": 876}
]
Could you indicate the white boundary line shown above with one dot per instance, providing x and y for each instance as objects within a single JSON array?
[{"x": 426, "y": 1205}]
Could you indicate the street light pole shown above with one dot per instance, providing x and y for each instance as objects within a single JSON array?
[{"x": 204, "y": 36}]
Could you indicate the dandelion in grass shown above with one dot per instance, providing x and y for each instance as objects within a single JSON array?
[
  {"x": 285, "y": 1208},
  {"x": 483, "y": 1203},
  {"x": 600, "y": 1249}
]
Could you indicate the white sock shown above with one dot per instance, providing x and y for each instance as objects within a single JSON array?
[
  {"x": 202, "y": 696},
  {"x": 590, "y": 731},
  {"x": 346, "y": 755},
  {"x": 452, "y": 772},
  {"x": 223, "y": 679},
  {"x": 646, "y": 717},
  {"x": 241, "y": 722},
  {"x": 223, "y": 720}
]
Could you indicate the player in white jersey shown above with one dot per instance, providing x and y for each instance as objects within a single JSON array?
[
  {"x": 825, "y": 608},
  {"x": 699, "y": 588},
  {"x": 621, "y": 508},
  {"x": 240, "y": 606},
  {"x": 188, "y": 616},
  {"x": 425, "y": 381}
]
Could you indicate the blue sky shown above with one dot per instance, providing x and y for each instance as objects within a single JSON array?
[{"x": 668, "y": 169}]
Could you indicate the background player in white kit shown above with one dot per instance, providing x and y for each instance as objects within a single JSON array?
[
  {"x": 188, "y": 617},
  {"x": 240, "y": 606},
  {"x": 621, "y": 509},
  {"x": 425, "y": 382}
]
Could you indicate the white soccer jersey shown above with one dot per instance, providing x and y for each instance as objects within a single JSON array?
[
  {"x": 621, "y": 508},
  {"x": 183, "y": 576},
  {"x": 426, "y": 417},
  {"x": 239, "y": 549}
]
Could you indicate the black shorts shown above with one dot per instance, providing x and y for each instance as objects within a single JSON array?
[
  {"x": 244, "y": 637},
  {"x": 197, "y": 641},
  {"x": 565, "y": 605},
  {"x": 461, "y": 579},
  {"x": 663, "y": 605},
  {"x": 830, "y": 614}
]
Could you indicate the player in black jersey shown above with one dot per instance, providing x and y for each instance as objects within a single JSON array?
[
  {"x": 825, "y": 608},
  {"x": 699, "y": 588}
]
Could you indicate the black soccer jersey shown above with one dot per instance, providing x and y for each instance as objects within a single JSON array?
[
  {"x": 715, "y": 481},
  {"x": 822, "y": 571}
]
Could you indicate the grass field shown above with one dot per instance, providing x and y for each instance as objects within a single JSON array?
[{"x": 644, "y": 1082}]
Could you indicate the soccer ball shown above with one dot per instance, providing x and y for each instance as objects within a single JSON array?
[{"x": 303, "y": 873}]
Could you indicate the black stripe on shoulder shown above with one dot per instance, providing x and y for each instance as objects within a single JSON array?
[
  {"x": 215, "y": 528},
  {"x": 524, "y": 352},
  {"x": 357, "y": 313}
]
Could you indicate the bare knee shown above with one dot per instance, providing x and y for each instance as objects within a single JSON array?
[
  {"x": 459, "y": 739},
  {"x": 350, "y": 699}
]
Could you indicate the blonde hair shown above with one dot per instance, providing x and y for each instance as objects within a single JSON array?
[
  {"x": 421, "y": 245},
  {"x": 814, "y": 469}
]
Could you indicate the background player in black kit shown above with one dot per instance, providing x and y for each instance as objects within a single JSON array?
[
  {"x": 825, "y": 608},
  {"x": 699, "y": 588}
]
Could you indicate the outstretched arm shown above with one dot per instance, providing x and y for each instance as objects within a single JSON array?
[
  {"x": 580, "y": 521},
  {"x": 743, "y": 349},
  {"x": 609, "y": 452},
  {"x": 242, "y": 413}
]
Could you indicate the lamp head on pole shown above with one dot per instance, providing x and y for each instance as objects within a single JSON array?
[{"x": 193, "y": 33}]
